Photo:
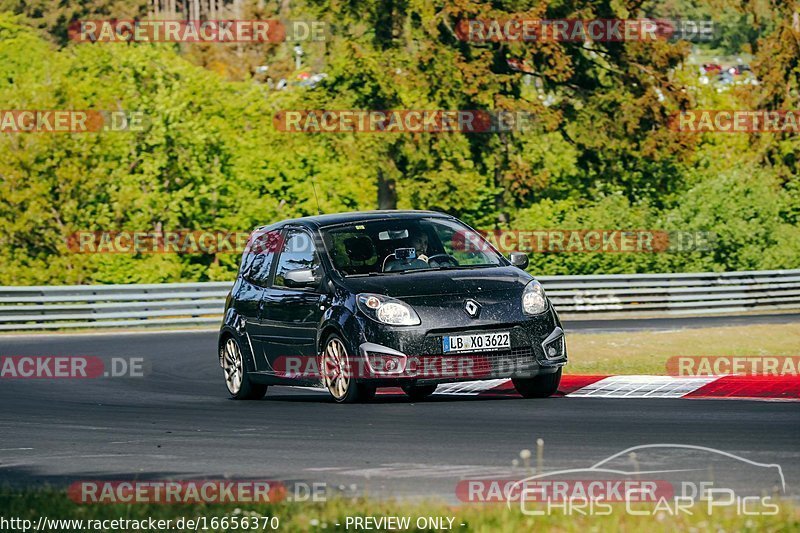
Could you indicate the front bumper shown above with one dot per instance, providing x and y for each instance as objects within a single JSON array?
[{"x": 415, "y": 356}]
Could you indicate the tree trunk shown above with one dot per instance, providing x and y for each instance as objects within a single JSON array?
[
  {"x": 387, "y": 194},
  {"x": 501, "y": 164}
]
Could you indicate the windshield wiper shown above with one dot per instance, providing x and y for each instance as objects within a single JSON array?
[
  {"x": 429, "y": 269},
  {"x": 438, "y": 268}
]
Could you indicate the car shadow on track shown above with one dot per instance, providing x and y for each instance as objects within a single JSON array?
[{"x": 323, "y": 397}]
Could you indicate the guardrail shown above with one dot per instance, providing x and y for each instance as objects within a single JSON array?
[
  {"x": 171, "y": 304},
  {"x": 98, "y": 306}
]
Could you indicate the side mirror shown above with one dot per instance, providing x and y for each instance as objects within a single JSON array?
[
  {"x": 519, "y": 259},
  {"x": 300, "y": 277}
]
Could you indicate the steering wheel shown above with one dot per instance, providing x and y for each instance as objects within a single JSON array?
[
  {"x": 391, "y": 256},
  {"x": 442, "y": 258}
]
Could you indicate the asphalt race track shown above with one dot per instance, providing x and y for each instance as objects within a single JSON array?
[{"x": 177, "y": 422}]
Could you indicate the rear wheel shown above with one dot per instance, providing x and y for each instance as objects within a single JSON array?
[
  {"x": 239, "y": 385},
  {"x": 541, "y": 386},
  {"x": 417, "y": 393},
  {"x": 337, "y": 374}
]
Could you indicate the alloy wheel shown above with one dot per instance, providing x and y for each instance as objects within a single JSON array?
[
  {"x": 232, "y": 364},
  {"x": 335, "y": 369}
]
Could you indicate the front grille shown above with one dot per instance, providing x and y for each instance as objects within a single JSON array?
[
  {"x": 471, "y": 365},
  {"x": 511, "y": 359}
]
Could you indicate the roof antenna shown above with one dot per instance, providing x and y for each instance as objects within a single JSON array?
[{"x": 313, "y": 188}]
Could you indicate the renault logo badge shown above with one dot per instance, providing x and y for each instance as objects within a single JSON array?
[{"x": 472, "y": 308}]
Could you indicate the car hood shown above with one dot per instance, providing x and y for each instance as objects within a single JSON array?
[{"x": 417, "y": 284}]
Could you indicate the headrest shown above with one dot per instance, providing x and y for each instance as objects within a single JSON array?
[{"x": 359, "y": 248}]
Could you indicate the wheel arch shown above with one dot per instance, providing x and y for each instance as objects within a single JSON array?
[
  {"x": 224, "y": 335},
  {"x": 228, "y": 332},
  {"x": 342, "y": 322},
  {"x": 326, "y": 331}
]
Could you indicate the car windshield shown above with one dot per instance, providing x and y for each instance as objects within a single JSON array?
[{"x": 406, "y": 245}]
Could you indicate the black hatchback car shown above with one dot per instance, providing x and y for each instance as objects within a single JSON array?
[{"x": 412, "y": 299}]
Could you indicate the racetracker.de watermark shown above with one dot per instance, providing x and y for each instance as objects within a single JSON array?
[
  {"x": 522, "y": 29},
  {"x": 585, "y": 241},
  {"x": 505, "y": 241},
  {"x": 434, "y": 366},
  {"x": 176, "y": 492},
  {"x": 402, "y": 121},
  {"x": 71, "y": 367},
  {"x": 69, "y": 121},
  {"x": 735, "y": 121},
  {"x": 198, "y": 491},
  {"x": 755, "y": 365},
  {"x": 567, "y": 490},
  {"x": 169, "y": 242},
  {"x": 196, "y": 31}
]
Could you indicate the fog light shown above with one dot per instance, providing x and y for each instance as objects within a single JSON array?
[
  {"x": 382, "y": 363},
  {"x": 554, "y": 346}
]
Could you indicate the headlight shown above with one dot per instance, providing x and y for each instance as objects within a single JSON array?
[
  {"x": 533, "y": 299},
  {"x": 387, "y": 310}
]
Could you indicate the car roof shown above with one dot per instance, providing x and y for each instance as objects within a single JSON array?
[{"x": 319, "y": 221}]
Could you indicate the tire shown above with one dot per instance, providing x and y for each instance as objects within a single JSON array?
[
  {"x": 366, "y": 393},
  {"x": 234, "y": 367},
  {"x": 337, "y": 374},
  {"x": 541, "y": 386},
  {"x": 419, "y": 393}
]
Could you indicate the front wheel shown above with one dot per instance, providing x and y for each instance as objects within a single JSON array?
[
  {"x": 337, "y": 374},
  {"x": 418, "y": 393},
  {"x": 540, "y": 386},
  {"x": 239, "y": 385}
]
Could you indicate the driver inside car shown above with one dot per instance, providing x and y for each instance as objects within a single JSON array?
[
  {"x": 410, "y": 261},
  {"x": 420, "y": 243}
]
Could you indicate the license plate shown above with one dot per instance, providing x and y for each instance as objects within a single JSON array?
[{"x": 479, "y": 342}]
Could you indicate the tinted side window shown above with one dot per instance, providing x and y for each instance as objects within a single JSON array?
[
  {"x": 259, "y": 256},
  {"x": 298, "y": 252}
]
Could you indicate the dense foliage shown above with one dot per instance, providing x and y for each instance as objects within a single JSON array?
[{"x": 600, "y": 154}]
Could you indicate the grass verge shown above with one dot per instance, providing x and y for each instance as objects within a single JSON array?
[
  {"x": 333, "y": 516},
  {"x": 646, "y": 352}
]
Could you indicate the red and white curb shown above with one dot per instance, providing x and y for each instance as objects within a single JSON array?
[
  {"x": 774, "y": 388},
  {"x": 785, "y": 388},
  {"x": 580, "y": 386}
]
